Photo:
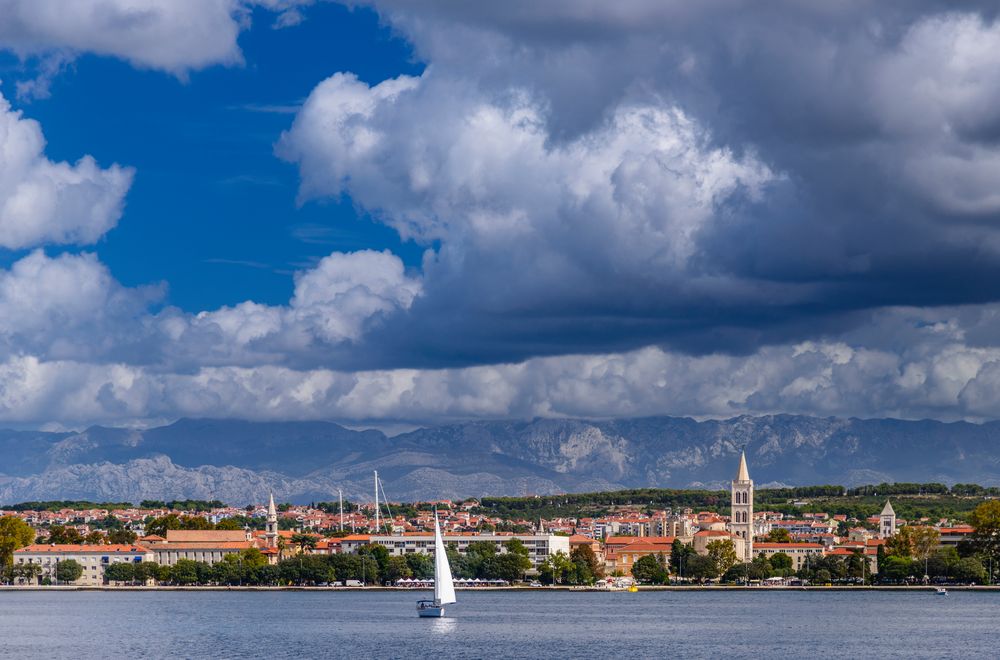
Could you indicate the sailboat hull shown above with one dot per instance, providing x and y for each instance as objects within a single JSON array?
[{"x": 429, "y": 610}]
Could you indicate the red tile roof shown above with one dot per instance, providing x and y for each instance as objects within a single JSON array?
[
  {"x": 201, "y": 545},
  {"x": 202, "y": 535},
  {"x": 89, "y": 547}
]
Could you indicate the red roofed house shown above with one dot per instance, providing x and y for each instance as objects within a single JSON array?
[
  {"x": 621, "y": 556},
  {"x": 952, "y": 536}
]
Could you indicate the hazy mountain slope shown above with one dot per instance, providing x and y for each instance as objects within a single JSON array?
[{"x": 240, "y": 461}]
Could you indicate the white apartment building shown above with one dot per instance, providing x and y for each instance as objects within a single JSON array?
[
  {"x": 800, "y": 553},
  {"x": 93, "y": 558},
  {"x": 539, "y": 546}
]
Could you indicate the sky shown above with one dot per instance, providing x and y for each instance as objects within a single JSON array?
[{"x": 394, "y": 212}]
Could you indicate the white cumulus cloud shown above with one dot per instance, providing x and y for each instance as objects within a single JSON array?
[{"x": 52, "y": 202}]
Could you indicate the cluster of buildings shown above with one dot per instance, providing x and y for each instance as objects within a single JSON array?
[
  {"x": 209, "y": 546},
  {"x": 619, "y": 540}
]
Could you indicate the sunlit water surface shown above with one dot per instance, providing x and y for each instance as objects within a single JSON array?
[{"x": 289, "y": 624}]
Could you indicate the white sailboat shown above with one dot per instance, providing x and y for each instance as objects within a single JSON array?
[{"x": 444, "y": 585}]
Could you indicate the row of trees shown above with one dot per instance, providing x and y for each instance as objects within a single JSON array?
[
  {"x": 372, "y": 564},
  {"x": 62, "y": 535},
  {"x": 591, "y": 503},
  {"x": 581, "y": 567},
  {"x": 481, "y": 560}
]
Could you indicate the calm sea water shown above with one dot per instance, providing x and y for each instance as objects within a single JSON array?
[{"x": 499, "y": 624}]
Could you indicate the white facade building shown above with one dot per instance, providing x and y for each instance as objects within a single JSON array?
[
  {"x": 540, "y": 546},
  {"x": 93, "y": 558}
]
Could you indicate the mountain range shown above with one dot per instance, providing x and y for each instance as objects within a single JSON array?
[{"x": 240, "y": 461}]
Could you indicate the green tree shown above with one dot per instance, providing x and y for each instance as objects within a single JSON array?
[
  {"x": 304, "y": 540},
  {"x": 477, "y": 554},
  {"x": 679, "y": 555},
  {"x": 723, "y": 553},
  {"x": 421, "y": 565},
  {"x": 232, "y": 524},
  {"x": 554, "y": 569},
  {"x": 376, "y": 561},
  {"x": 14, "y": 534},
  {"x": 119, "y": 572},
  {"x": 62, "y": 535},
  {"x": 986, "y": 535},
  {"x": 518, "y": 562},
  {"x": 144, "y": 572},
  {"x": 68, "y": 570},
  {"x": 506, "y": 566},
  {"x": 701, "y": 567},
  {"x": 924, "y": 540},
  {"x": 941, "y": 561},
  {"x": 122, "y": 536},
  {"x": 895, "y": 569},
  {"x": 159, "y": 526},
  {"x": 779, "y": 535},
  {"x": 355, "y": 567},
  {"x": 969, "y": 570},
  {"x": 586, "y": 567},
  {"x": 313, "y": 570},
  {"x": 856, "y": 564},
  {"x": 162, "y": 572},
  {"x": 397, "y": 568},
  {"x": 184, "y": 571},
  {"x": 26, "y": 573},
  {"x": 253, "y": 558},
  {"x": 229, "y": 570},
  {"x": 737, "y": 573},
  {"x": 900, "y": 544},
  {"x": 781, "y": 562},
  {"x": 760, "y": 568},
  {"x": 651, "y": 569}
]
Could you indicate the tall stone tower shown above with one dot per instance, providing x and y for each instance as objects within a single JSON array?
[
  {"x": 271, "y": 530},
  {"x": 887, "y": 521},
  {"x": 742, "y": 507}
]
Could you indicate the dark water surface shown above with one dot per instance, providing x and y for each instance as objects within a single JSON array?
[{"x": 289, "y": 624}]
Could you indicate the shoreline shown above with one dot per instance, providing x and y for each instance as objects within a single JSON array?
[{"x": 694, "y": 588}]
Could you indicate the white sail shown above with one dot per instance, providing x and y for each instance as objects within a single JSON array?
[{"x": 444, "y": 586}]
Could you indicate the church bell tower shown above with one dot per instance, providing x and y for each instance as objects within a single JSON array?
[
  {"x": 271, "y": 529},
  {"x": 742, "y": 507}
]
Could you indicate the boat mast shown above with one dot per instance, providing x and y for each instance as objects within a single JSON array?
[
  {"x": 340, "y": 499},
  {"x": 376, "y": 502}
]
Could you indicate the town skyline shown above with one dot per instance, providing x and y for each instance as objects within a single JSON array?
[{"x": 788, "y": 542}]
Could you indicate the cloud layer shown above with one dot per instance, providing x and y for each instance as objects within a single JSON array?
[
  {"x": 940, "y": 373},
  {"x": 597, "y": 176},
  {"x": 630, "y": 208}
]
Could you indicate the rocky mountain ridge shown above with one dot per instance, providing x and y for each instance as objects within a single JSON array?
[{"x": 240, "y": 461}]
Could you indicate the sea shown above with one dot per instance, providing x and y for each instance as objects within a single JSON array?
[{"x": 500, "y": 624}]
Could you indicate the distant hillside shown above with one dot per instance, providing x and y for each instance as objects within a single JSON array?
[{"x": 238, "y": 461}]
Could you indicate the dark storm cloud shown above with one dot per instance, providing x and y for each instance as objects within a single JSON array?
[{"x": 703, "y": 176}]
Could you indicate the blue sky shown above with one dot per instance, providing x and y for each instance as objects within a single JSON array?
[
  {"x": 212, "y": 212},
  {"x": 417, "y": 211}
]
